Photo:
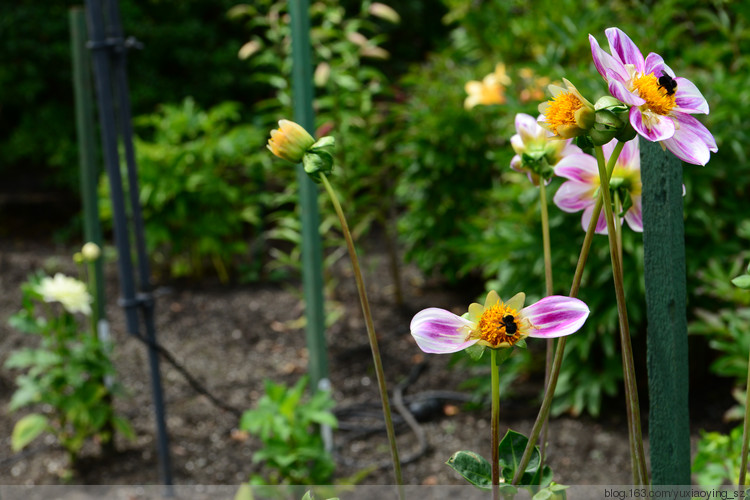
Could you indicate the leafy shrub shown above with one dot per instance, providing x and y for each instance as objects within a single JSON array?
[
  {"x": 202, "y": 186},
  {"x": 65, "y": 376}
]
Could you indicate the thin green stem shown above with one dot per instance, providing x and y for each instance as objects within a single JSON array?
[
  {"x": 495, "y": 424},
  {"x": 550, "y": 291},
  {"x": 560, "y": 350},
  {"x": 370, "y": 333},
  {"x": 631, "y": 388},
  {"x": 745, "y": 430}
]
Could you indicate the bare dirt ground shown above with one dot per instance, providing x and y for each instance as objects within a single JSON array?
[{"x": 231, "y": 338}]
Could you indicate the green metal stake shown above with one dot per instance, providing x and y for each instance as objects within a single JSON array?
[
  {"x": 664, "y": 269},
  {"x": 312, "y": 254},
  {"x": 84, "y": 97}
]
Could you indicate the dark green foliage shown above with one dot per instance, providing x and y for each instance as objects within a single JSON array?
[{"x": 190, "y": 49}]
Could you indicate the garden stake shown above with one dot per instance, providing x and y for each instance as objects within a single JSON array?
[
  {"x": 108, "y": 49},
  {"x": 312, "y": 254},
  {"x": 664, "y": 270},
  {"x": 370, "y": 333}
]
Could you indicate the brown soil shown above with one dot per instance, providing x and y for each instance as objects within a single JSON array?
[{"x": 231, "y": 338}]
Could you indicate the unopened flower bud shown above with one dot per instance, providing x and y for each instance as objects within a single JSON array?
[
  {"x": 91, "y": 251},
  {"x": 290, "y": 141}
]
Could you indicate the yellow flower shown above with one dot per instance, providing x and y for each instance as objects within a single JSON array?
[
  {"x": 290, "y": 141},
  {"x": 568, "y": 114},
  {"x": 491, "y": 90}
]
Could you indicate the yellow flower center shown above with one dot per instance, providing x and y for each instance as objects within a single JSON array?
[
  {"x": 561, "y": 110},
  {"x": 657, "y": 98},
  {"x": 499, "y": 326}
]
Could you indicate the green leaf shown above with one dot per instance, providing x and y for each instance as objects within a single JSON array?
[
  {"x": 123, "y": 427},
  {"x": 473, "y": 467},
  {"x": 511, "y": 450},
  {"x": 245, "y": 492},
  {"x": 26, "y": 430},
  {"x": 322, "y": 418},
  {"x": 742, "y": 281}
]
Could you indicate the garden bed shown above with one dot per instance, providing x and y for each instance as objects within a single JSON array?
[{"x": 231, "y": 338}]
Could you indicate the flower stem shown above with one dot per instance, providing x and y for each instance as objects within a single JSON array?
[
  {"x": 745, "y": 431},
  {"x": 631, "y": 389},
  {"x": 495, "y": 424},
  {"x": 550, "y": 291},
  {"x": 560, "y": 350},
  {"x": 370, "y": 333}
]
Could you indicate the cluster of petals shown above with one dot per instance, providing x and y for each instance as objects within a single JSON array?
[
  {"x": 531, "y": 139},
  {"x": 661, "y": 104},
  {"x": 70, "y": 292},
  {"x": 440, "y": 331},
  {"x": 491, "y": 90},
  {"x": 581, "y": 189}
]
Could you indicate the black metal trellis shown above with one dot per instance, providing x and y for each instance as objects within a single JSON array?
[{"x": 108, "y": 48}]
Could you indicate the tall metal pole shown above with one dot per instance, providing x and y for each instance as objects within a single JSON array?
[
  {"x": 664, "y": 269},
  {"x": 312, "y": 267},
  {"x": 108, "y": 51}
]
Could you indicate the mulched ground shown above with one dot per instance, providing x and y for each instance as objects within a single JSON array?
[{"x": 231, "y": 338}]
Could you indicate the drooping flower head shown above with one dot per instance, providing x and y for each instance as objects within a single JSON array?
[
  {"x": 568, "y": 114},
  {"x": 70, "y": 292},
  {"x": 581, "y": 189},
  {"x": 660, "y": 102},
  {"x": 491, "y": 90},
  {"x": 497, "y": 324},
  {"x": 291, "y": 142},
  {"x": 537, "y": 152}
]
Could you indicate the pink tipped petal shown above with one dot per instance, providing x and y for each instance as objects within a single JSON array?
[
  {"x": 630, "y": 154},
  {"x": 574, "y": 196},
  {"x": 634, "y": 216},
  {"x": 655, "y": 65},
  {"x": 578, "y": 167},
  {"x": 570, "y": 149},
  {"x": 515, "y": 163},
  {"x": 624, "y": 49},
  {"x": 601, "y": 224},
  {"x": 527, "y": 126},
  {"x": 555, "y": 316},
  {"x": 688, "y": 98},
  {"x": 696, "y": 127},
  {"x": 688, "y": 145},
  {"x": 603, "y": 61},
  {"x": 619, "y": 91},
  {"x": 438, "y": 331},
  {"x": 661, "y": 127}
]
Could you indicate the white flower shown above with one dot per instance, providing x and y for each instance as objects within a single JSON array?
[{"x": 70, "y": 292}]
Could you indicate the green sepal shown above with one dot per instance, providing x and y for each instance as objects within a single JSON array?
[
  {"x": 585, "y": 143},
  {"x": 742, "y": 281},
  {"x": 475, "y": 351},
  {"x": 319, "y": 158},
  {"x": 611, "y": 104},
  {"x": 521, "y": 344}
]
